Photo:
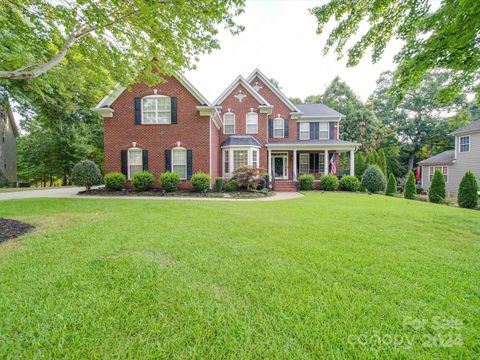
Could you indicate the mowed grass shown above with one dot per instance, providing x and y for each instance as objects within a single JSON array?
[{"x": 329, "y": 275}]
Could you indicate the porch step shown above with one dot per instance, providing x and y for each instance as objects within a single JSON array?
[{"x": 284, "y": 185}]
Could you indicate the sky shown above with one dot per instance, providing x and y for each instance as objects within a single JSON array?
[{"x": 280, "y": 39}]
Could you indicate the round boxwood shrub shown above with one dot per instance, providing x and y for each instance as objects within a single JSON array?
[
  {"x": 350, "y": 183},
  {"x": 373, "y": 179},
  {"x": 437, "y": 191},
  {"x": 114, "y": 181},
  {"x": 329, "y": 182},
  {"x": 468, "y": 191},
  {"x": 200, "y": 181},
  {"x": 143, "y": 181},
  {"x": 306, "y": 182},
  {"x": 410, "y": 191},
  {"x": 391, "y": 185},
  {"x": 169, "y": 181},
  {"x": 86, "y": 173},
  {"x": 230, "y": 186}
]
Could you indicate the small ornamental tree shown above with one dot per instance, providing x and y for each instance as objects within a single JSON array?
[
  {"x": 468, "y": 191},
  {"x": 437, "y": 191},
  {"x": 359, "y": 164},
  {"x": 247, "y": 177},
  {"x": 410, "y": 190},
  {"x": 391, "y": 185},
  {"x": 382, "y": 161},
  {"x": 86, "y": 173},
  {"x": 373, "y": 179}
]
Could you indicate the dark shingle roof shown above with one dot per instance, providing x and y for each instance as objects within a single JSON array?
[
  {"x": 317, "y": 110},
  {"x": 474, "y": 126},
  {"x": 445, "y": 157},
  {"x": 246, "y": 140}
]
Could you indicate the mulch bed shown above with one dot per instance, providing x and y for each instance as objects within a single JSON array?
[{"x": 10, "y": 229}]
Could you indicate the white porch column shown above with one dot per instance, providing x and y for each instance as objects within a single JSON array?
[
  {"x": 352, "y": 162},
  {"x": 325, "y": 165},
  {"x": 270, "y": 164},
  {"x": 295, "y": 164}
]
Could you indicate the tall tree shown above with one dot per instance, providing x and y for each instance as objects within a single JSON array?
[{"x": 444, "y": 38}]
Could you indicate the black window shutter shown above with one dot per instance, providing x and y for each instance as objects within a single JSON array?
[
  {"x": 168, "y": 160},
  {"x": 124, "y": 162},
  {"x": 145, "y": 159},
  {"x": 312, "y": 130},
  {"x": 312, "y": 162},
  {"x": 173, "y": 109},
  {"x": 331, "y": 124},
  {"x": 316, "y": 166},
  {"x": 138, "y": 111},
  {"x": 316, "y": 134},
  {"x": 298, "y": 131},
  {"x": 189, "y": 164},
  {"x": 285, "y": 132},
  {"x": 270, "y": 128}
]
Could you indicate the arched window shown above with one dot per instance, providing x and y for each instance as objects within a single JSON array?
[
  {"x": 252, "y": 123},
  {"x": 229, "y": 123},
  {"x": 135, "y": 161},
  {"x": 179, "y": 162},
  {"x": 156, "y": 109}
]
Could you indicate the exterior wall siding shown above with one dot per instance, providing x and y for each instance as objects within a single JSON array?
[{"x": 8, "y": 150}]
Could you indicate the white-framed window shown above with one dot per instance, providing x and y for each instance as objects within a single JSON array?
[
  {"x": 255, "y": 158},
  {"x": 229, "y": 123},
  {"x": 156, "y": 109},
  {"x": 464, "y": 143},
  {"x": 324, "y": 130},
  {"x": 240, "y": 158},
  {"x": 443, "y": 169},
  {"x": 179, "y": 162},
  {"x": 252, "y": 122},
  {"x": 226, "y": 162},
  {"x": 235, "y": 157},
  {"x": 278, "y": 128},
  {"x": 304, "y": 129},
  {"x": 135, "y": 161},
  {"x": 303, "y": 163}
]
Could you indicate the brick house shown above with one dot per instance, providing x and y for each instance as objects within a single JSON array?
[{"x": 173, "y": 127}]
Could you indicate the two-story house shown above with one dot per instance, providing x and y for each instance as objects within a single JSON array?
[
  {"x": 455, "y": 163},
  {"x": 8, "y": 150},
  {"x": 172, "y": 127}
]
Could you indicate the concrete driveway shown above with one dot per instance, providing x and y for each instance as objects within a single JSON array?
[{"x": 59, "y": 192}]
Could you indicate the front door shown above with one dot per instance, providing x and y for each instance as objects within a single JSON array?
[{"x": 280, "y": 167}]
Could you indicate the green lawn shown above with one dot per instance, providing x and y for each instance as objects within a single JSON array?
[{"x": 330, "y": 275}]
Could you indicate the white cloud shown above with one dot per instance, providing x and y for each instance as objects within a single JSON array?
[{"x": 280, "y": 39}]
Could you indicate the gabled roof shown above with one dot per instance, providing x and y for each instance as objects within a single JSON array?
[
  {"x": 241, "y": 81},
  {"x": 236, "y": 140},
  {"x": 318, "y": 110},
  {"x": 474, "y": 126},
  {"x": 445, "y": 157},
  {"x": 108, "y": 100},
  {"x": 273, "y": 88}
]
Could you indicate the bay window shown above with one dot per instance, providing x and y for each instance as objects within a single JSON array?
[{"x": 235, "y": 157}]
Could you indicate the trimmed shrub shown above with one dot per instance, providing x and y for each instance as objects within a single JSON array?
[
  {"x": 437, "y": 191},
  {"x": 200, "y": 181},
  {"x": 468, "y": 191},
  {"x": 143, "y": 181},
  {"x": 373, "y": 179},
  {"x": 410, "y": 191},
  {"x": 306, "y": 182},
  {"x": 218, "y": 184},
  {"x": 169, "y": 181},
  {"x": 329, "y": 182},
  {"x": 114, "y": 181},
  {"x": 86, "y": 173},
  {"x": 391, "y": 185},
  {"x": 230, "y": 186},
  {"x": 350, "y": 183}
]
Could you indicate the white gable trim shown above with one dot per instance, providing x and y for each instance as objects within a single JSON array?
[
  {"x": 241, "y": 81},
  {"x": 275, "y": 90}
]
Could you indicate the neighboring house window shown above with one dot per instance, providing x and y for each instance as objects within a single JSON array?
[
  {"x": 255, "y": 158},
  {"x": 240, "y": 158},
  {"x": 229, "y": 123},
  {"x": 304, "y": 131},
  {"x": 252, "y": 123},
  {"x": 304, "y": 163},
  {"x": 443, "y": 169},
  {"x": 324, "y": 130},
  {"x": 156, "y": 109},
  {"x": 464, "y": 143},
  {"x": 179, "y": 162},
  {"x": 226, "y": 161},
  {"x": 278, "y": 128},
  {"x": 135, "y": 161}
]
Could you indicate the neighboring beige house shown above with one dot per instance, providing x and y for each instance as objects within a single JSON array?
[
  {"x": 455, "y": 163},
  {"x": 8, "y": 150}
]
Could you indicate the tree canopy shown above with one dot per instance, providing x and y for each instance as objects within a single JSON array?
[{"x": 445, "y": 38}]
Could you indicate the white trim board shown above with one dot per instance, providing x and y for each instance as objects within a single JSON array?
[{"x": 241, "y": 81}]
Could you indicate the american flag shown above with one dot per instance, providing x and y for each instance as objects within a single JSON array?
[{"x": 333, "y": 168}]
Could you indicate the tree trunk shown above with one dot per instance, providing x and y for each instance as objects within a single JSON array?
[
  {"x": 64, "y": 179},
  {"x": 411, "y": 159}
]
